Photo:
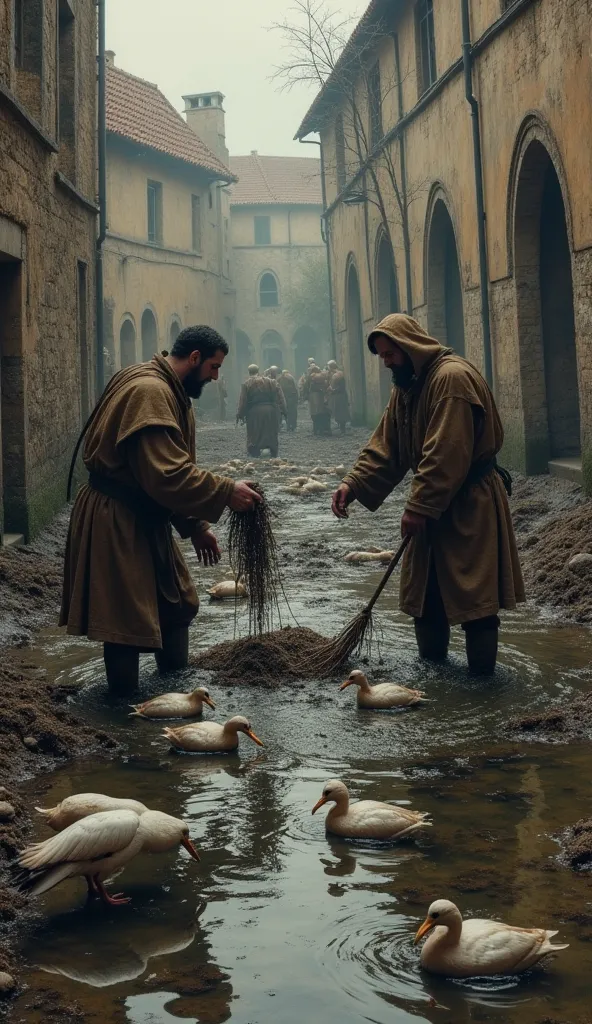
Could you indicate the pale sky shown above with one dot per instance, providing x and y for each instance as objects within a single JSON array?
[{"x": 188, "y": 46}]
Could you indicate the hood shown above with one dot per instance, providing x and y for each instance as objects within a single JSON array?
[{"x": 410, "y": 336}]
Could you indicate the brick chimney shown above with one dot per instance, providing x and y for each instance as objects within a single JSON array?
[
  {"x": 110, "y": 58},
  {"x": 206, "y": 117}
]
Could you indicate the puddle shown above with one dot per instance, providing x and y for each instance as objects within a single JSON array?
[{"x": 279, "y": 923}]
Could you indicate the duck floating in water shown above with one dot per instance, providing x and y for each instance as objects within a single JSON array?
[
  {"x": 367, "y": 819},
  {"x": 227, "y": 588},
  {"x": 174, "y": 705},
  {"x": 210, "y": 737},
  {"x": 81, "y": 805},
  {"x": 369, "y": 556},
  {"x": 478, "y": 947},
  {"x": 96, "y": 846},
  {"x": 382, "y": 695}
]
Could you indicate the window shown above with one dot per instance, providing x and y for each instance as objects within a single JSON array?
[
  {"x": 210, "y": 199},
  {"x": 66, "y": 89},
  {"x": 426, "y": 44},
  {"x": 154, "y": 197},
  {"x": 375, "y": 105},
  {"x": 196, "y": 223},
  {"x": 262, "y": 230},
  {"x": 340, "y": 152},
  {"x": 268, "y": 291},
  {"x": 28, "y": 51},
  {"x": 82, "y": 311},
  {"x": 19, "y": 33}
]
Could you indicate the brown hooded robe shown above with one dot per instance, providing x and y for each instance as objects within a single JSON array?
[
  {"x": 443, "y": 428},
  {"x": 262, "y": 405},
  {"x": 124, "y": 581}
]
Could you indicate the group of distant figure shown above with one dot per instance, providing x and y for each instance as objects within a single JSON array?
[{"x": 269, "y": 398}]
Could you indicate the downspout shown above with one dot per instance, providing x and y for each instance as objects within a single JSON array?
[
  {"x": 102, "y": 155},
  {"x": 326, "y": 236},
  {"x": 478, "y": 165},
  {"x": 403, "y": 165}
]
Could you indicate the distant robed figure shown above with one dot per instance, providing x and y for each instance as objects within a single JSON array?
[{"x": 261, "y": 405}]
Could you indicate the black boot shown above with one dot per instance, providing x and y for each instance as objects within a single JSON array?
[
  {"x": 432, "y": 639},
  {"x": 175, "y": 650},
  {"x": 122, "y": 665},
  {"x": 481, "y": 643}
]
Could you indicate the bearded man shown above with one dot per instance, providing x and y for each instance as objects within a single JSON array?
[
  {"x": 461, "y": 565},
  {"x": 125, "y": 581}
]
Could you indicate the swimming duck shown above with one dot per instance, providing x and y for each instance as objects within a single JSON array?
[
  {"x": 96, "y": 846},
  {"x": 367, "y": 819},
  {"x": 210, "y": 737},
  {"x": 174, "y": 705},
  {"x": 227, "y": 588},
  {"x": 80, "y": 805},
  {"x": 382, "y": 695},
  {"x": 477, "y": 947}
]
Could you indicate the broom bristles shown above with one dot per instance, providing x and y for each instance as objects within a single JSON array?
[{"x": 338, "y": 650}]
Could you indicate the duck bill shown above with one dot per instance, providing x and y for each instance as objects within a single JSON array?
[
  {"x": 186, "y": 842},
  {"x": 255, "y": 739},
  {"x": 348, "y": 682},
  {"x": 425, "y": 928},
  {"x": 209, "y": 702},
  {"x": 319, "y": 803}
]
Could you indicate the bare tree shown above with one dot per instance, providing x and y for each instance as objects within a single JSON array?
[{"x": 316, "y": 51}]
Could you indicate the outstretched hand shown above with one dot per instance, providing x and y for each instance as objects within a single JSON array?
[
  {"x": 341, "y": 499},
  {"x": 206, "y": 548},
  {"x": 243, "y": 497}
]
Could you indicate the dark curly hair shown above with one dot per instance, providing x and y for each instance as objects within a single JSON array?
[{"x": 202, "y": 339}]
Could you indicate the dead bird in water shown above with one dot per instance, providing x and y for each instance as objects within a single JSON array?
[
  {"x": 174, "y": 705},
  {"x": 227, "y": 588}
]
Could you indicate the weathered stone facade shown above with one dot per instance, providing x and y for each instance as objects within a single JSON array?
[
  {"x": 47, "y": 251},
  {"x": 532, "y": 76}
]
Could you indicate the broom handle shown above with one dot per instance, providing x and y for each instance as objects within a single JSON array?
[{"x": 389, "y": 572}]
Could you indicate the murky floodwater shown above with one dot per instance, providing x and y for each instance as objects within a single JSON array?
[{"x": 280, "y": 923}]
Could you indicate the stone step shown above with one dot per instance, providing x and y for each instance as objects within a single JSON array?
[
  {"x": 567, "y": 469},
  {"x": 12, "y": 540}
]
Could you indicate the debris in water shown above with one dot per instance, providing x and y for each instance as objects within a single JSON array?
[{"x": 268, "y": 659}]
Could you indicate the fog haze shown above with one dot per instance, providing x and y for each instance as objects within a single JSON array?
[{"x": 188, "y": 46}]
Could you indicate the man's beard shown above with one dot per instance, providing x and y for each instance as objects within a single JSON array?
[
  {"x": 403, "y": 375},
  {"x": 193, "y": 385}
]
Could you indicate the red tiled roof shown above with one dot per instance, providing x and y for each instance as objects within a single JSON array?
[
  {"x": 265, "y": 180},
  {"x": 137, "y": 110}
]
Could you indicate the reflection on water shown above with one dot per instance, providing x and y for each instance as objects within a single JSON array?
[{"x": 280, "y": 922}]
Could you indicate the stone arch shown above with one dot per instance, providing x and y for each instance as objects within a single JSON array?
[
  {"x": 174, "y": 330},
  {"x": 355, "y": 343},
  {"x": 272, "y": 350},
  {"x": 127, "y": 341},
  {"x": 268, "y": 290},
  {"x": 443, "y": 287},
  {"x": 244, "y": 354},
  {"x": 540, "y": 232},
  {"x": 305, "y": 344},
  {"x": 149, "y": 332},
  {"x": 387, "y": 299}
]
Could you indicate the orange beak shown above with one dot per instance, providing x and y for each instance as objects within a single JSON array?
[
  {"x": 348, "y": 682},
  {"x": 426, "y": 927},
  {"x": 186, "y": 842},
  {"x": 209, "y": 702},
  {"x": 319, "y": 803},
  {"x": 255, "y": 739}
]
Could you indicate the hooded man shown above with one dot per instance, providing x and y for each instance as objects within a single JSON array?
[
  {"x": 315, "y": 391},
  {"x": 261, "y": 405},
  {"x": 290, "y": 392},
  {"x": 461, "y": 565},
  {"x": 125, "y": 581},
  {"x": 337, "y": 397}
]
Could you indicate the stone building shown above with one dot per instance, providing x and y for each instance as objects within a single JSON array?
[
  {"x": 167, "y": 252},
  {"x": 47, "y": 250},
  {"x": 515, "y": 298},
  {"x": 276, "y": 209}
]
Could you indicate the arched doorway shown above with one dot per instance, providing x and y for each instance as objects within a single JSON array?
[
  {"x": 174, "y": 332},
  {"x": 244, "y": 355},
  {"x": 127, "y": 343},
  {"x": 272, "y": 350},
  {"x": 445, "y": 303},
  {"x": 149, "y": 335},
  {"x": 545, "y": 311},
  {"x": 355, "y": 344},
  {"x": 387, "y": 301},
  {"x": 305, "y": 344}
]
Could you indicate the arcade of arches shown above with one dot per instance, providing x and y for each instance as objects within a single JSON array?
[
  {"x": 149, "y": 335},
  {"x": 444, "y": 290}
]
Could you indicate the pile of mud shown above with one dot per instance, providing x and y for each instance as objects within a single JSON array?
[
  {"x": 268, "y": 660},
  {"x": 560, "y": 721},
  {"x": 545, "y": 555},
  {"x": 577, "y": 844}
]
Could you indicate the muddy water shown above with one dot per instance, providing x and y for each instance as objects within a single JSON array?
[{"x": 280, "y": 923}]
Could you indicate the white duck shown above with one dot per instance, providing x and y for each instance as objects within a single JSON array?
[
  {"x": 227, "y": 588},
  {"x": 367, "y": 819},
  {"x": 174, "y": 705},
  {"x": 97, "y": 846},
  {"x": 80, "y": 805},
  {"x": 477, "y": 947},
  {"x": 382, "y": 695},
  {"x": 369, "y": 556},
  {"x": 210, "y": 737}
]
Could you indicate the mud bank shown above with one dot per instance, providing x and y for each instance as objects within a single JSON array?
[{"x": 576, "y": 844}]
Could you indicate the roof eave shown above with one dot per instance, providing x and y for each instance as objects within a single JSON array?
[{"x": 228, "y": 178}]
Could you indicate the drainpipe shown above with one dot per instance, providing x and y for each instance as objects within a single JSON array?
[
  {"x": 102, "y": 154},
  {"x": 403, "y": 166},
  {"x": 478, "y": 164},
  {"x": 326, "y": 236}
]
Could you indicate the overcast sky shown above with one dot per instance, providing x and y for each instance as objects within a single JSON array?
[{"x": 188, "y": 46}]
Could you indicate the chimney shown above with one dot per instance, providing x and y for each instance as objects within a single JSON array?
[
  {"x": 206, "y": 117},
  {"x": 110, "y": 58}
]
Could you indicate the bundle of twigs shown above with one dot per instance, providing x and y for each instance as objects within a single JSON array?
[{"x": 253, "y": 556}]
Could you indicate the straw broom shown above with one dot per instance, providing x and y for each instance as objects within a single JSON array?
[{"x": 331, "y": 657}]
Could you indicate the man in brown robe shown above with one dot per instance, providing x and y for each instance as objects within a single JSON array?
[
  {"x": 261, "y": 404},
  {"x": 125, "y": 581},
  {"x": 461, "y": 565},
  {"x": 290, "y": 392},
  {"x": 337, "y": 398},
  {"x": 315, "y": 390}
]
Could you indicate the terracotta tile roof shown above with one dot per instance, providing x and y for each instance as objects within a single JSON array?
[
  {"x": 139, "y": 111},
  {"x": 289, "y": 180}
]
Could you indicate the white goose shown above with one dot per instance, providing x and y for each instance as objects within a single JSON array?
[
  {"x": 80, "y": 805},
  {"x": 382, "y": 695},
  {"x": 367, "y": 819},
  {"x": 174, "y": 705},
  {"x": 477, "y": 947},
  {"x": 210, "y": 737},
  {"x": 97, "y": 846}
]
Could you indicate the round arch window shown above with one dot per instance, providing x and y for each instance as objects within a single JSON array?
[{"x": 268, "y": 291}]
